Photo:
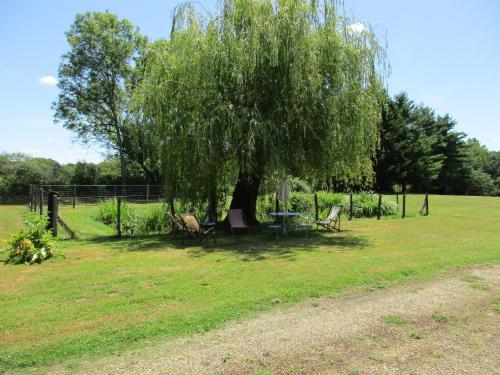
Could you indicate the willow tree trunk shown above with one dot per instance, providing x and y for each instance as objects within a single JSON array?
[{"x": 245, "y": 195}]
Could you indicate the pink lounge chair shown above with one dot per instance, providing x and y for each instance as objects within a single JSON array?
[{"x": 237, "y": 220}]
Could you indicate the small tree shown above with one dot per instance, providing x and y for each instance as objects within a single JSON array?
[{"x": 94, "y": 77}]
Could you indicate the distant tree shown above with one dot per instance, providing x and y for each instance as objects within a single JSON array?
[
  {"x": 481, "y": 183},
  {"x": 455, "y": 174},
  {"x": 421, "y": 149},
  {"x": 94, "y": 77},
  {"x": 84, "y": 173},
  {"x": 479, "y": 155}
]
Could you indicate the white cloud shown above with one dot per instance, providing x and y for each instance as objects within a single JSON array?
[
  {"x": 48, "y": 80},
  {"x": 51, "y": 139},
  {"x": 357, "y": 27}
]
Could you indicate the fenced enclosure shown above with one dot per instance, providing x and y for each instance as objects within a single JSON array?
[{"x": 106, "y": 210}]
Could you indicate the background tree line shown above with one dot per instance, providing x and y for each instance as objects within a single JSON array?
[
  {"x": 18, "y": 171},
  {"x": 421, "y": 151}
]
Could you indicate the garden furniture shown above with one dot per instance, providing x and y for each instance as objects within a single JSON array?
[{"x": 332, "y": 221}]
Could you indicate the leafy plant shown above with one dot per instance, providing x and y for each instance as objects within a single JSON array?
[
  {"x": 365, "y": 205},
  {"x": 33, "y": 244},
  {"x": 155, "y": 220},
  {"x": 107, "y": 213}
]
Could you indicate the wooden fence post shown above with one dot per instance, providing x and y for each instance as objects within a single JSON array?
[
  {"x": 147, "y": 193},
  {"x": 350, "y": 206},
  {"x": 426, "y": 204},
  {"x": 316, "y": 207},
  {"x": 118, "y": 217},
  {"x": 74, "y": 195},
  {"x": 31, "y": 197},
  {"x": 41, "y": 201},
  {"x": 404, "y": 206},
  {"x": 379, "y": 206},
  {"x": 172, "y": 211},
  {"x": 52, "y": 208}
]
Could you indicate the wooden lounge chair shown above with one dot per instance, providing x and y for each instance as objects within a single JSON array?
[
  {"x": 332, "y": 221},
  {"x": 178, "y": 225},
  {"x": 237, "y": 220},
  {"x": 195, "y": 230}
]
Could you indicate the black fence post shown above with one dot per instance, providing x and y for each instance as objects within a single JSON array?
[
  {"x": 379, "y": 206},
  {"x": 147, "y": 193},
  {"x": 74, "y": 196},
  {"x": 316, "y": 207},
  {"x": 404, "y": 206},
  {"x": 397, "y": 200},
  {"x": 52, "y": 208},
  {"x": 350, "y": 206},
  {"x": 118, "y": 217},
  {"x": 41, "y": 201}
]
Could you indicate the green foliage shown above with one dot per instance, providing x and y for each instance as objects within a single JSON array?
[
  {"x": 33, "y": 244},
  {"x": 423, "y": 151},
  {"x": 327, "y": 199},
  {"x": 481, "y": 183},
  {"x": 365, "y": 205},
  {"x": 154, "y": 220},
  {"x": 107, "y": 213},
  {"x": 95, "y": 80},
  {"x": 260, "y": 88}
]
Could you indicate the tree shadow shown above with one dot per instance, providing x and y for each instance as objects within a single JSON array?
[{"x": 248, "y": 247}]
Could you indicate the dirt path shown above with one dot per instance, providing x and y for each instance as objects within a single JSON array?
[{"x": 449, "y": 325}]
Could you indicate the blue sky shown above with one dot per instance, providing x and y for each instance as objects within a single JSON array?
[{"x": 444, "y": 53}]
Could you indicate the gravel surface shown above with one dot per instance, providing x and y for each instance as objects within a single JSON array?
[{"x": 448, "y": 325}]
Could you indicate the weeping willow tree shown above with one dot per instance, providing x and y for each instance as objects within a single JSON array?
[{"x": 263, "y": 87}]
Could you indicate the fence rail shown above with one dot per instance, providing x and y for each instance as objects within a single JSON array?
[
  {"x": 41, "y": 201},
  {"x": 73, "y": 194}
]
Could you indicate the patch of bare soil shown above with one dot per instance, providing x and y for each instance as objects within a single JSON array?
[{"x": 443, "y": 326}]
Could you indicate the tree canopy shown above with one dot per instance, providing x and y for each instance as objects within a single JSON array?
[
  {"x": 263, "y": 87},
  {"x": 95, "y": 77}
]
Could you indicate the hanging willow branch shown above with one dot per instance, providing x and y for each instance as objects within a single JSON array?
[{"x": 264, "y": 86}]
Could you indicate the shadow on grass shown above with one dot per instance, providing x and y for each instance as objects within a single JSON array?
[{"x": 253, "y": 246}]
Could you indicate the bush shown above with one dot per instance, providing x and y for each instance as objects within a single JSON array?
[
  {"x": 155, "y": 220},
  {"x": 33, "y": 244},
  {"x": 107, "y": 213},
  {"x": 365, "y": 205},
  {"x": 327, "y": 199}
]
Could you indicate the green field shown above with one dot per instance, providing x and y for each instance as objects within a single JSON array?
[{"x": 109, "y": 295}]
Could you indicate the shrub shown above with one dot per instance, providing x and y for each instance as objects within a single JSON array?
[
  {"x": 33, "y": 244},
  {"x": 107, "y": 213},
  {"x": 301, "y": 202},
  {"x": 327, "y": 199},
  {"x": 155, "y": 220},
  {"x": 365, "y": 205}
]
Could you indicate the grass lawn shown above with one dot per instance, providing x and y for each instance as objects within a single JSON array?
[{"x": 109, "y": 295}]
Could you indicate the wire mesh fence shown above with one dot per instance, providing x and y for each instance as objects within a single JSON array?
[{"x": 81, "y": 207}]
